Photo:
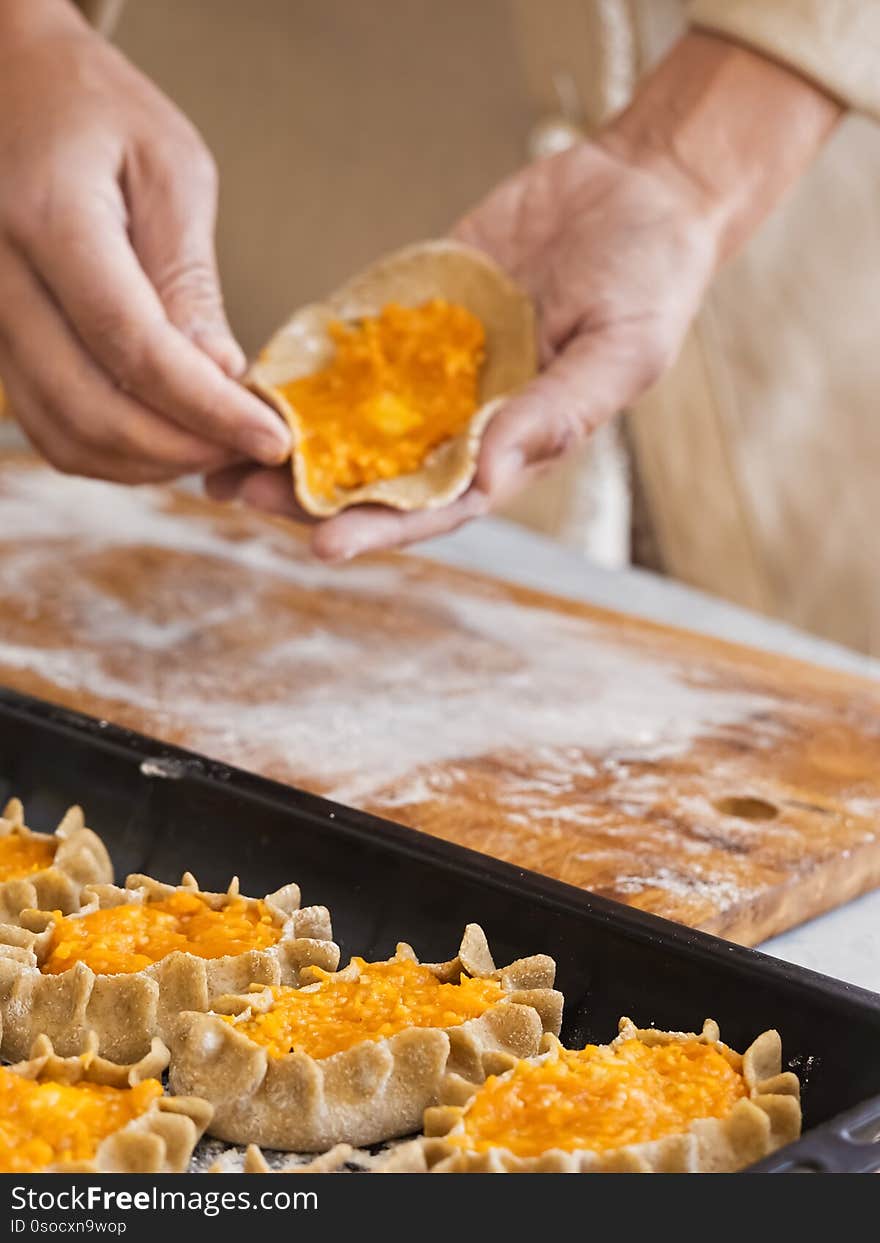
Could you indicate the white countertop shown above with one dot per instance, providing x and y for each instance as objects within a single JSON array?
[{"x": 845, "y": 943}]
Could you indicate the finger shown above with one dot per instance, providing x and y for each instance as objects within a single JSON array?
[
  {"x": 51, "y": 442},
  {"x": 84, "y": 256},
  {"x": 269, "y": 490},
  {"x": 371, "y": 528},
  {"x": 76, "y": 400},
  {"x": 363, "y": 528},
  {"x": 501, "y": 240},
  {"x": 587, "y": 384},
  {"x": 172, "y": 215},
  {"x": 54, "y": 442},
  {"x": 225, "y": 484}
]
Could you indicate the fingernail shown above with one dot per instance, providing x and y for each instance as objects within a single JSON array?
[
  {"x": 234, "y": 360},
  {"x": 271, "y": 446},
  {"x": 338, "y": 556}
]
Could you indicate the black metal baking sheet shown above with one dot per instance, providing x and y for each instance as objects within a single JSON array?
[{"x": 163, "y": 810}]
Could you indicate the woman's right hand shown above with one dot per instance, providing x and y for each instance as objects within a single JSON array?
[{"x": 115, "y": 353}]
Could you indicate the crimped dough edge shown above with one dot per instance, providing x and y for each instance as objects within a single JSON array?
[
  {"x": 767, "y": 1119},
  {"x": 411, "y": 276},
  {"x": 160, "y": 1141},
  {"x": 373, "y": 1091},
  {"x": 81, "y": 859},
  {"x": 253, "y": 1162},
  {"x": 125, "y": 1011}
]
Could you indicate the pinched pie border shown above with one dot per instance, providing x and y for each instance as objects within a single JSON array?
[
  {"x": 125, "y": 1011},
  {"x": 253, "y": 1162},
  {"x": 81, "y": 859},
  {"x": 440, "y": 268},
  {"x": 374, "y": 1091},
  {"x": 160, "y": 1141},
  {"x": 767, "y": 1119}
]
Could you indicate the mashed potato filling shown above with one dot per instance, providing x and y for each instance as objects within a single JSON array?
[
  {"x": 600, "y": 1098},
  {"x": 21, "y": 856},
  {"x": 385, "y": 998},
  {"x": 43, "y": 1123},
  {"x": 398, "y": 385},
  {"x": 123, "y": 939}
]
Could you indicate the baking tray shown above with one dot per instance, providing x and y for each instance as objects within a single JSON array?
[{"x": 163, "y": 810}]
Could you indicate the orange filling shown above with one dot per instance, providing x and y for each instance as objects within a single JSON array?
[
  {"x": 43, "y": 1122},
  {"x": 399, "y": 384},
  {"x": 599, "y": 1098},
  {"x": 122, "y": 939},
  {"x": 22, "y": 856},
  {"x": 386, "y": 998}
]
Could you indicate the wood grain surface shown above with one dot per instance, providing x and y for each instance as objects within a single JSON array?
[{"x": 725, "y": 788}]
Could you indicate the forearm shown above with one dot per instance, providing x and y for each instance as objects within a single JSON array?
[
  {"x": 737, "y": 126},
  {"x": 832, "y": 42}
]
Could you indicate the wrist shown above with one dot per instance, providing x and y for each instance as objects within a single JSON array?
[{"x": 733, "y": 128}]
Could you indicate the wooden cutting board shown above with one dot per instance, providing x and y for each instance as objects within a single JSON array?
[{"x": 725, "y": 788}]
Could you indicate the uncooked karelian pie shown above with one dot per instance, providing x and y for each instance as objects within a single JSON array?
[
  {"x": 355, "y": 1057},
  {"x": 650, "y": 1102},
  {"x": 126, "y": 963},
  {"x": 84, "y": 1115},
  {"x": 47, "y": 870},
  {"x": 432, "y": 339}
]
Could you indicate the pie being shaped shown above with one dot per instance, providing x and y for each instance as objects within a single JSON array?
[
  {"x": 400, "y": 383},
  {"x": 389, "y": 384},
  {"x": 131, "y": 959},
  {"x": 355, "y": 1056},
  {"x": 651, "y": 1101},
  {"x": 47, "y": 870},
  {"x": 86, "y": 1115}
]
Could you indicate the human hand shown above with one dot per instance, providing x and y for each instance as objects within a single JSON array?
[
  {"x": 114, "y": 349},
  {"x": 616, "y": 242},
  {"x": 616, "y": 261}
]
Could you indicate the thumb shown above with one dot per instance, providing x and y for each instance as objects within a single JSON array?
[
  {"x": 172, "y": 203},
  {"x": 594, "y": 377}
]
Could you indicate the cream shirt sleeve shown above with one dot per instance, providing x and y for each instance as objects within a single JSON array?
[{"x": 835, "y": 43}]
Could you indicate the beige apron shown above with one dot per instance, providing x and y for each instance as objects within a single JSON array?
[
  {"x": 342, "y": 130},
  {"x": 760, "y": 451}
]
